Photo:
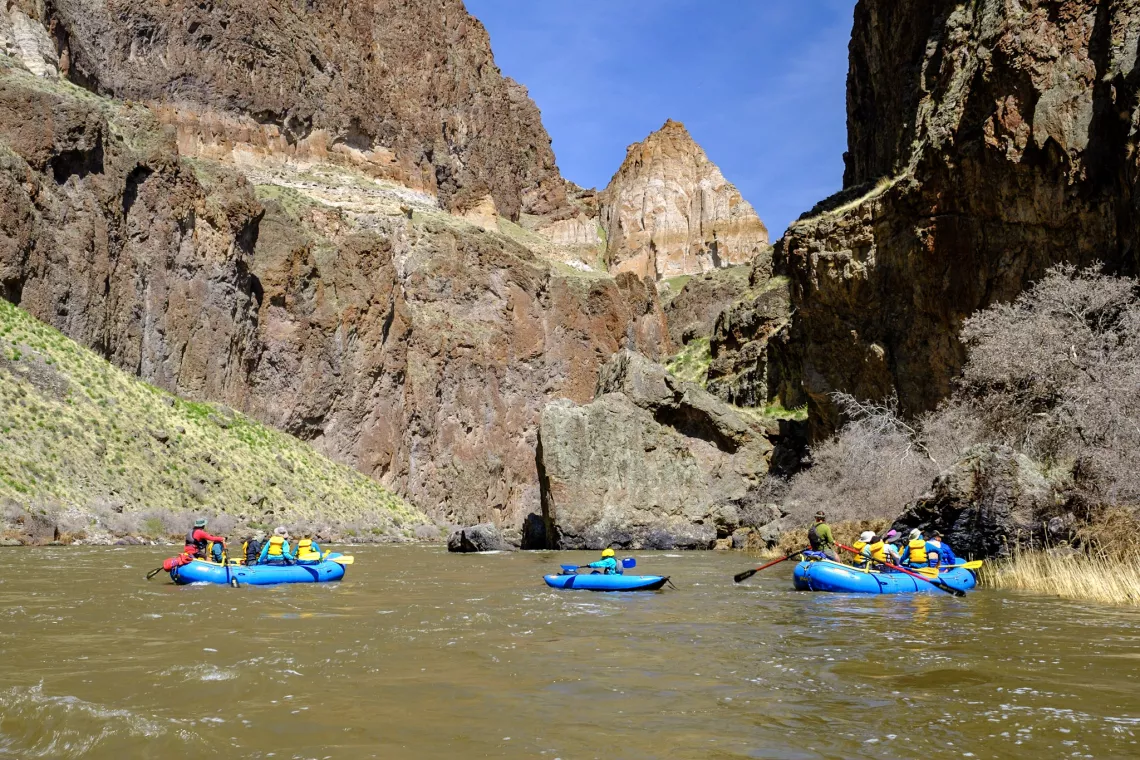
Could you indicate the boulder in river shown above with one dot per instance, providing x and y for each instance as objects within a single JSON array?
[
  {"x": 484, "y": 537},
  {"x": 652, "y": 462},
  {"x": 987, "y": 502}
]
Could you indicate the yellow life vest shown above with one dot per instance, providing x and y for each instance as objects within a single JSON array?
[
  {"x": 275, "y": 546},
  {"x": 879, "y": 551},
  {"x": 917, "y": 552},
  {"x": 305, "y": 549},
  {"x": 859, "y": 558}
]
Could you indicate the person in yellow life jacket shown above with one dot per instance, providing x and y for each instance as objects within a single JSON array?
[
  {"x": 277, "y": 550},
  {"x": 860, "y": 546},
  {"x": 914, "y": 555},
  {"x": 308, "y": 550}
]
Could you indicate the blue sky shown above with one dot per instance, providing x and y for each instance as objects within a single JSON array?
[{"x": 759, "y": 83}]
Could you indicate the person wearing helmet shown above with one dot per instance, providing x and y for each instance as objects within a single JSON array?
[
  {"x": 197, "y": 539},
  {"x": 820, "y": 537},
  {"x": 607, "y": 564},
  {"x": 277, "y": 550}
]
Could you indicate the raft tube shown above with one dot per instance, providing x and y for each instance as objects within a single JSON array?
[
  {"x": 825, "y": 575},
  {"x": 602, "y": 582},
  {"x": 202, "y": 571}
]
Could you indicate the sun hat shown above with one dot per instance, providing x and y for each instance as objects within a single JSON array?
[{"x": 866, "y": 536}]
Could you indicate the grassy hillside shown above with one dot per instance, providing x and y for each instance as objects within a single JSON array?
[{"x": 88, "y": 451}]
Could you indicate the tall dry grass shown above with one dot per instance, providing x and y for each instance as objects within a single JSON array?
[{"x": 1106, "y": 578}]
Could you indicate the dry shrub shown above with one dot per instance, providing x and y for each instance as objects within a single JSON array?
[
  {"x": 871, "y": 469},
  {"x": 1071, "y": 575},
  {"x": 1055, "y": 375},
  {"x": 846, "y": 532}
]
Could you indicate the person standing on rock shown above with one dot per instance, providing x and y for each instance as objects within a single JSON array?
[
  {"x": 607, "y": 564},
  {"x": 820, "y": 537}
]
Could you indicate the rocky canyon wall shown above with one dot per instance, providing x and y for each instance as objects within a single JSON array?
[
  {"x": 668, "y": 211},
  {"x": 987, "y": 141},
  {"x": 408, "y": 89},
  {"x": 314, "y": 295}
]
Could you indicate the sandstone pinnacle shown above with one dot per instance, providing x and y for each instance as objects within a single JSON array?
[{"x": 668, "y": 211}]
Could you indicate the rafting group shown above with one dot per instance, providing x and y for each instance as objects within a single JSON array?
[
  {"x": 886, "y": 564},
  {"x": 261, "y": 562}
]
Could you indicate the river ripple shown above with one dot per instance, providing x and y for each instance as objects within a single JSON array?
[{"x": 419, "y": 654}]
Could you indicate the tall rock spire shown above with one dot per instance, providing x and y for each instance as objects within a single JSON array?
[{"x": 669, "y": 211}]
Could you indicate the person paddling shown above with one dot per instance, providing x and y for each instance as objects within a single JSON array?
[
  {"x": 938, "y": 553},
  {"x": 277, "y": 550},
  {"x": 914, "y": 553},
  {"x": 820, "y": 537},
  {"x": 308, "y": 550},
  {"x": 197, "y": 539},
  {"x": 890, "y": 547},
  {"x": 607, "y": 564},
  {"x": 862, "y": 548}
]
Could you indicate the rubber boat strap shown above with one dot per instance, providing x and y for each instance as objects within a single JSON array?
[{"x": 670, "y": 583}]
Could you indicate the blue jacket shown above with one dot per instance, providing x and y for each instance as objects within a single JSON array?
[
  {"x": 943, "y": 551},
  {"x": 608, "y": 565}
]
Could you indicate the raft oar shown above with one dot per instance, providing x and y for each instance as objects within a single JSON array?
[
  {"x": 749, "y": 573},
  {"x": 936, "y": 582},
  {"x": 154, "y": 572},
  {"x": 972, "y": 565},
  {"x": 342, "y": 560}
]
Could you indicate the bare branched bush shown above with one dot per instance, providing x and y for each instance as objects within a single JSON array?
[
  {"x": 872, "y": 468},
  {"x": 1056, "y": 375}
]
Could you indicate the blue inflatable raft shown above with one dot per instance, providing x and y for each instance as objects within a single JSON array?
[
  {"x": 202, "y": 571},
  {"x": 825, "y": 575},
  {"x": 602, "y": 582}
]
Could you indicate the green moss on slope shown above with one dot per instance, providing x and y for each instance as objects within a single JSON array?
[{"x": 114, "y": 455}]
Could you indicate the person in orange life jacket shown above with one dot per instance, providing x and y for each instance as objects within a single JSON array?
[
  {"x": 914, "y": 553},
  {"x": 197, "y": 539},
  {"x": 277, "y": 550}
]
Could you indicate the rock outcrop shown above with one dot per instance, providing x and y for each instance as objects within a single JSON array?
[
  {"x": 987, "y": 141},
  {"x": 989, "y": 502},
  {"x": 747, "y": 344},
  {"x": 651, "y": 463},
  {"x": 484, "y": 537},
  {"x": 409, "y": 90},
  {"x": 668, "y": 211},
  {"x": 693, "y": 311}
]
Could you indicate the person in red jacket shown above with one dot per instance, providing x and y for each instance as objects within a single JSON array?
[{"x": 197, "y": 538}]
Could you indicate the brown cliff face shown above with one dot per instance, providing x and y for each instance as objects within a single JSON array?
[
  {"x": 408, "y": 88},
  {"x": 1001, "y": 139},
  {"x": 348, "y": 311},
  {"x": 668, "y": 211}
]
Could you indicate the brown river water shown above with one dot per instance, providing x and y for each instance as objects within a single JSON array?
[{"x": 421, "y": 654}]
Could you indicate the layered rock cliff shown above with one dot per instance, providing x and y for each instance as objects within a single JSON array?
[
  {"x": 987, "y": 141},
  {"x": 408, "y": 90},
  {"x": 338, "y": 306},
  {"x": 668, "y": 211}
]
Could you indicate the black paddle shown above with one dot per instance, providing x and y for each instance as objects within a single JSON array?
[
  {"x": 749, "y": 573},
  {"x": 936, "y": 582},
  {"x": 154, "y": 572}
]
